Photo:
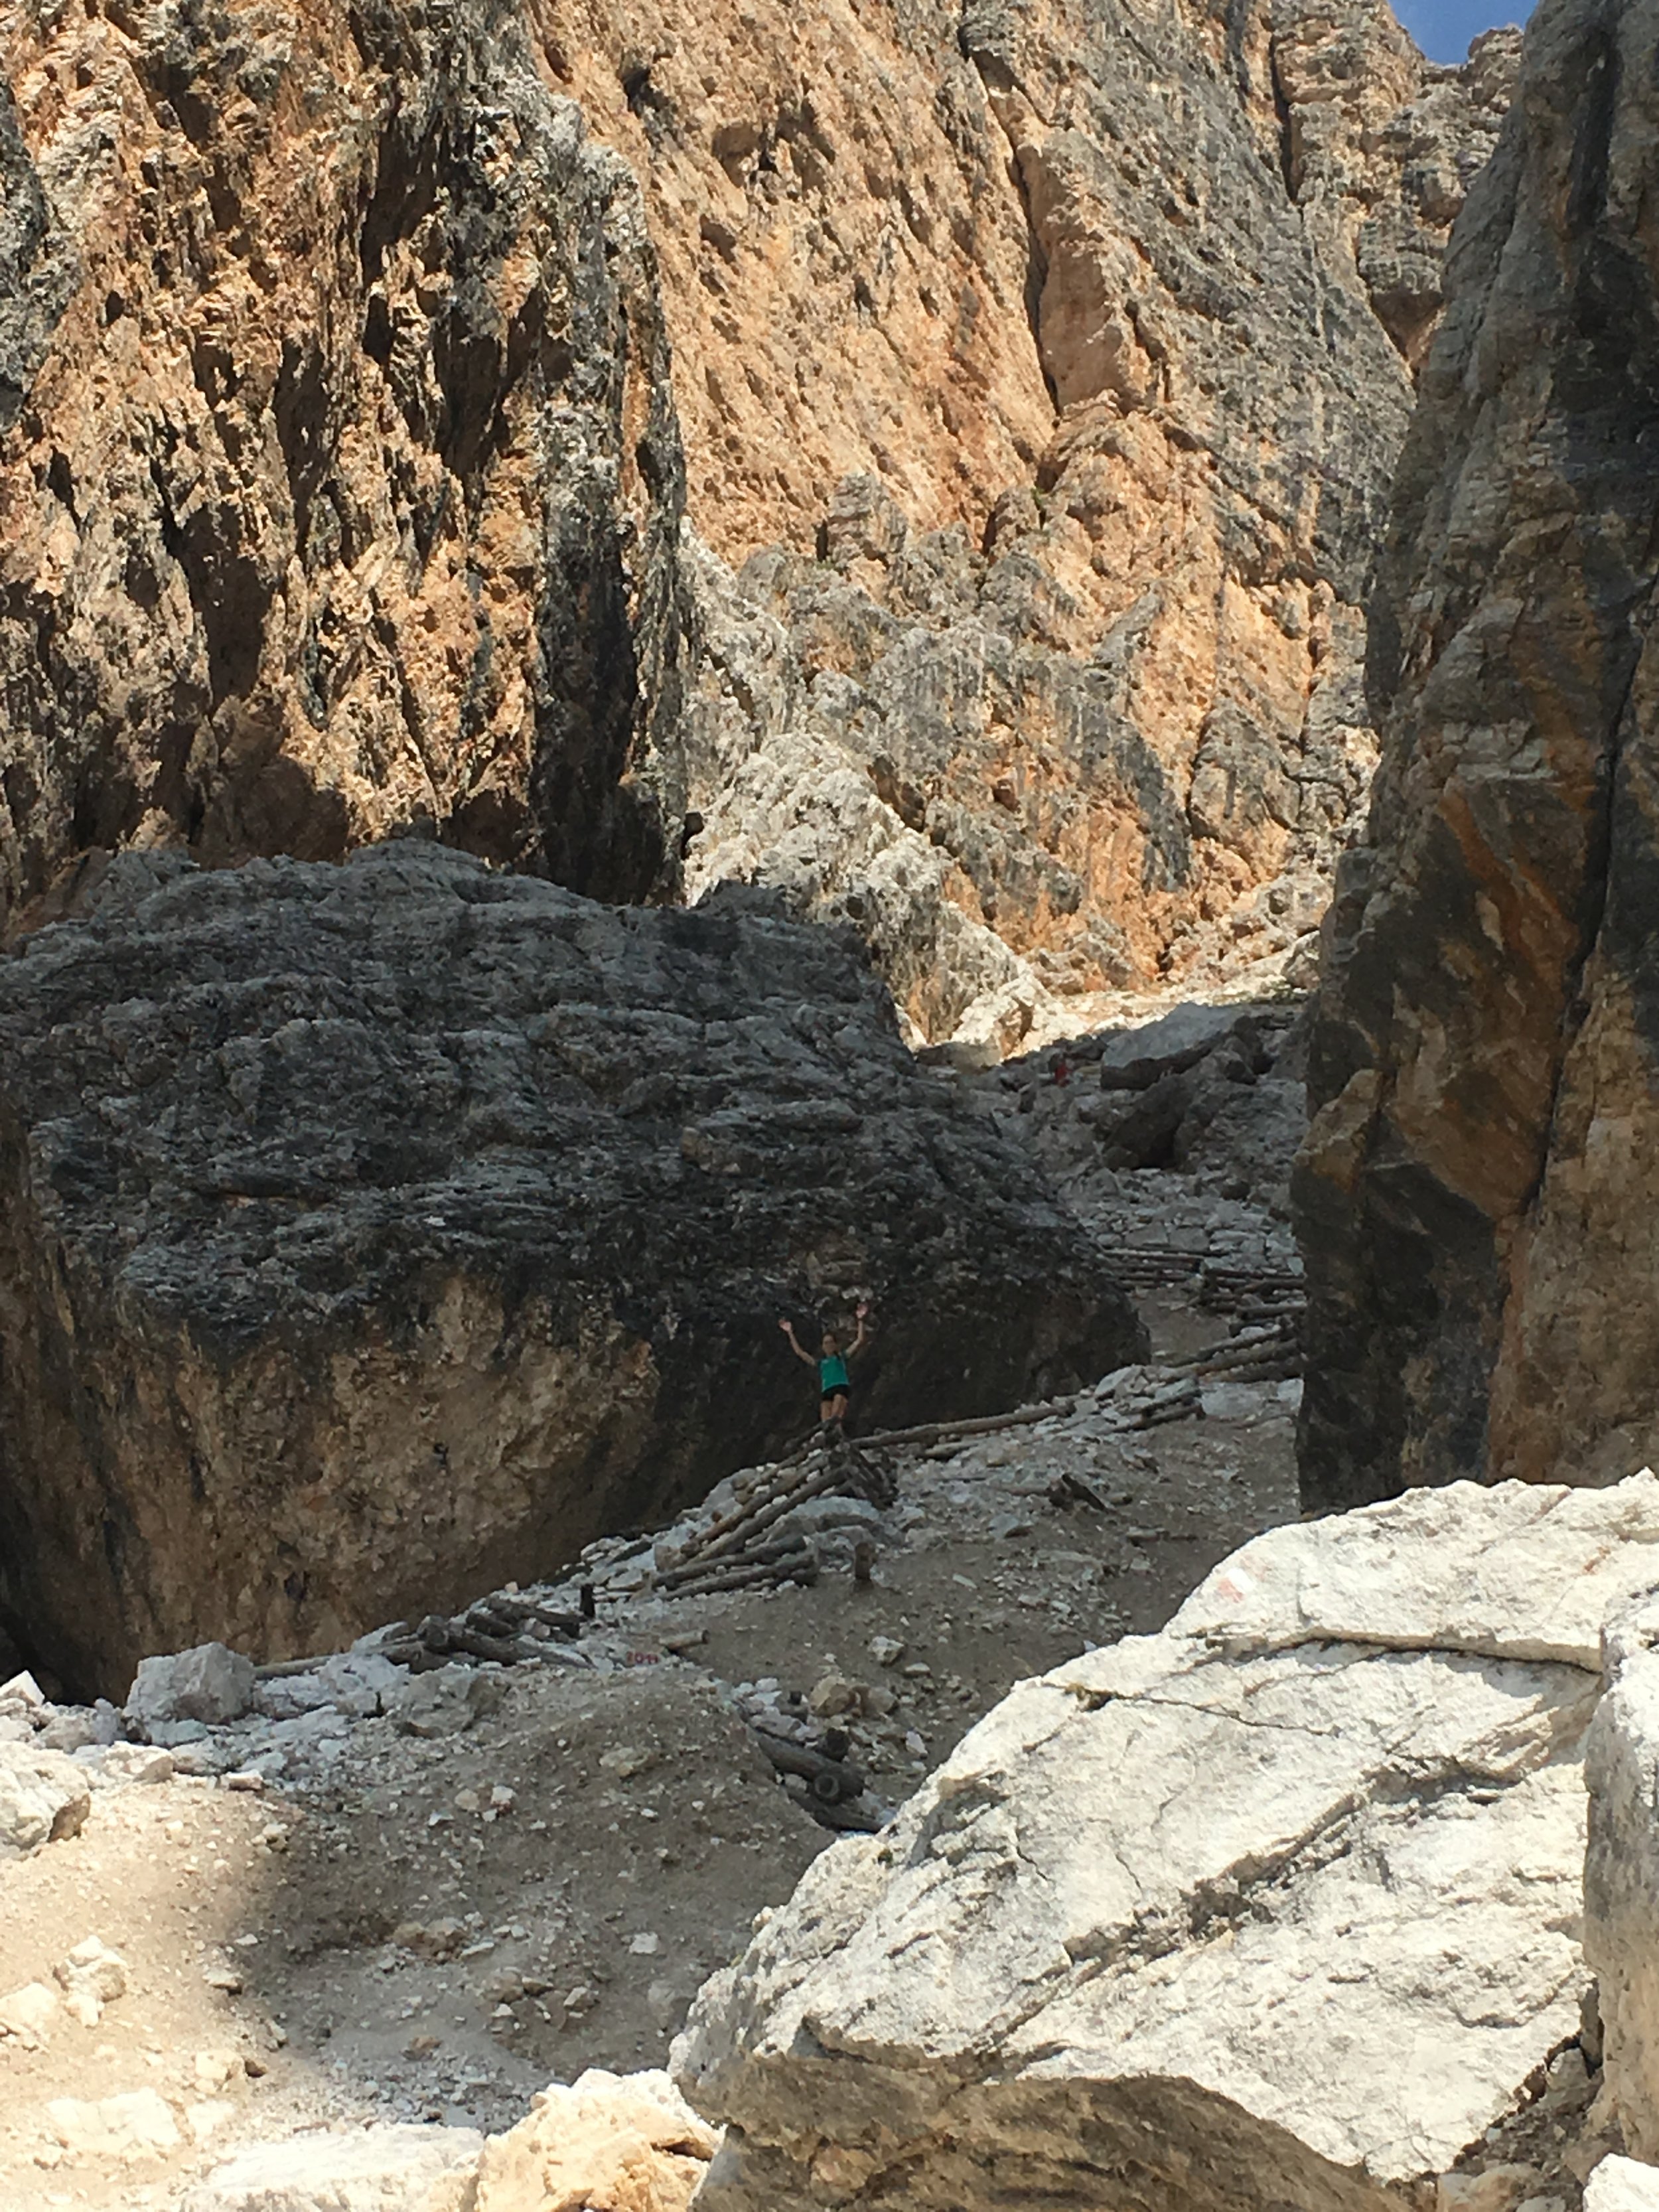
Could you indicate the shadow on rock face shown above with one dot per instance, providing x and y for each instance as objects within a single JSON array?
[{"x": 376, "y": 1234}]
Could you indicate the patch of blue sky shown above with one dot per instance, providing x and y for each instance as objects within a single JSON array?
[{"x": 1443, "y": 28}]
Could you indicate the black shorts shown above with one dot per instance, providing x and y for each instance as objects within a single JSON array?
[{"x": 829, "y": 1397}]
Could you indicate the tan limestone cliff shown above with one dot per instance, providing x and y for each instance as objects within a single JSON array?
[
  {"x": 359, "y": 372},
  {"x": 339, "y": 483},
  {"x": 1103, "y": 713}
]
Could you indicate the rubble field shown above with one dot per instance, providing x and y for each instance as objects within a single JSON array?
[{"x": 419, "y": 1891}]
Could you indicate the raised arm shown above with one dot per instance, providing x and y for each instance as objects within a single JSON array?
[
  {"x": 788, "y": 1329},
  {"x": 862, "y": 1337}
]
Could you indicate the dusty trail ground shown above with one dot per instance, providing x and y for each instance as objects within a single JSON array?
[{"x": 401, "y": 1927}]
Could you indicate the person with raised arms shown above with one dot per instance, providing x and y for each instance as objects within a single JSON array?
[{"x": 835, "y": 1384}]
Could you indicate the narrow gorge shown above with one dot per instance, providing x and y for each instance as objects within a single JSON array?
[
  {"x": 919, "y": 480},
  {"x": 829, "y": 1134}
]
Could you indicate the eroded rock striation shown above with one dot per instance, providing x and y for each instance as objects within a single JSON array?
[
  {"x": 374, "y": 1234},
  {"x": 1030, "y": 382},
  {"x": 1279, "y": 1906},
  {"x": 340, "y": 484},
  {"x": 1477, "y": 1195},
  {"x": 1096, "y": 719}
]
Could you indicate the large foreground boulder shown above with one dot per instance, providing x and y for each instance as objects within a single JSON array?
[
  {"x": 371, "y": 1235},
  {"x": 1279, "y": 1907}
]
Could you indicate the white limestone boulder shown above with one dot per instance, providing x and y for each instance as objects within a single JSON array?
[
  {"x": 1280, "y": 1906},
  {"x": 1622, "y": 2184},
  {"x": 378, "y": 2169},
  {"x": 1621, "y": 1874},
  {"x": 1532, "y": 1571},
  {"x": 43, "y": 1798},
  {"x": 210, "y": 1683}
]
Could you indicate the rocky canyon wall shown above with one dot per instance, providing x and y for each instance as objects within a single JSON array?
[
  {"x": 340, "y": 487},
  {"x": 1075, "y": 709},
  {"x": 1028, "y": 377},
  {"x": 1477, "y": 1194}
]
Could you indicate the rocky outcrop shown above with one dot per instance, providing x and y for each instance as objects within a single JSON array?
[
  {"x": 340, "y": 484},
  {"x": 43, "y": 1798},
  {"x": 1477, "y": 1195},
  {"x": 342, "y": 475},
  {"x": 379, "y": 1233},
  {"x": 608, "y": 2143},
  {"x": 1214, "y": 1090},
  {"x": 1278, "y": 1906}
]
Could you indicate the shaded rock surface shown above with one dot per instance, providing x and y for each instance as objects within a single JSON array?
[
  {"x": 343, "y": 466},
  {"x": 1211, "y": 1095},
  {"x": 378, "y": 1233},
  {"x": 1621, "y": 1877},
  {"x": 208, "y": 1683},
  {"x": 1278, "y": 1906},
  {"x": 1477, "y": 1195}
]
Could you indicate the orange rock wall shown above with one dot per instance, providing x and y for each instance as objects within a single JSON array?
[
  {"x": 365, "y": 369},
  {"x": 340, "y": 497}
]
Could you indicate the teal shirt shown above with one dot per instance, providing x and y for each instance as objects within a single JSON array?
[{"x": 832, "y": 1374}]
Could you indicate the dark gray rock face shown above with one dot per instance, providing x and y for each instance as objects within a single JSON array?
[
  {"x": 1230, "y": 1103},
  {"x": 37, "y": 265},
  {"x": 372, "y": 1234},
  {"x": 1479, "y": 1194}
]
